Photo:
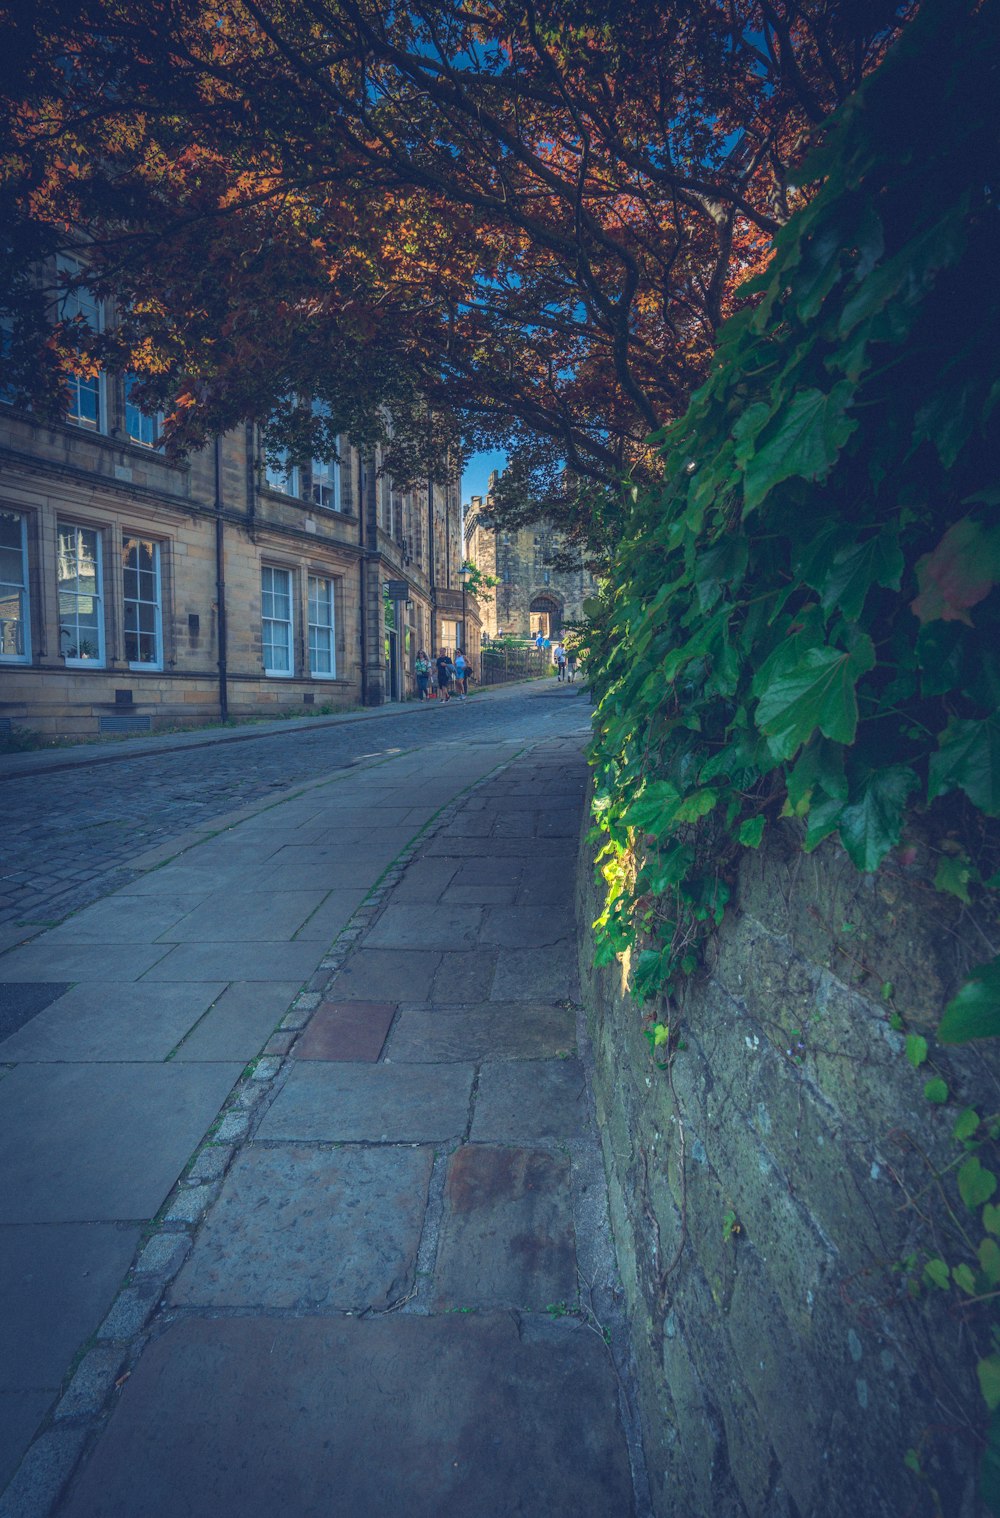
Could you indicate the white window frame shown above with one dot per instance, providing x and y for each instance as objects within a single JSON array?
[
  {"x": 75, "y": 303},
  {"x": 157, "y": 605},
  {"x": 77, "y": 661},
  {"x": 22, "y": 592},
  {"x": 268, "y": 620},
  {"x": 154, "y": 421},
  {"x": 328, "y": 630},
  {"x": 324, "y": 474}
]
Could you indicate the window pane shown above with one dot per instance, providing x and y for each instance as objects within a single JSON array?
[
  {"x": 276, "y": 618},
  {"x": 142, "y": 427},
  {"x": 141, "y": 579},
  {"x": 322, "y": 656}
]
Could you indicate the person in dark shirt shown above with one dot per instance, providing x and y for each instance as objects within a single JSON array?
[{"x": 445, "y": 674}]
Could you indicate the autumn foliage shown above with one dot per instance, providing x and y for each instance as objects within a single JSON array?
[{"x": 527, "y": 219}]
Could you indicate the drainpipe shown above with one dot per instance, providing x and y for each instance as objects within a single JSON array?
[
  {"x": 220, "y": 584},
  {"x": 430, "y": 566},
  {"x": 363, "y": 600}
]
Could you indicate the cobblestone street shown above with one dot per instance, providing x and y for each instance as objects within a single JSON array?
[{"x": 70, "y": 832}]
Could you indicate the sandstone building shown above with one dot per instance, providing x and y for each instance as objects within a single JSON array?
[
  {"x": 532, "y": 595},
  {"x": 137, "y": 592}
]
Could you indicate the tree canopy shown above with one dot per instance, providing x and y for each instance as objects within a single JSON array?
[{"x": 528, "y": 219}]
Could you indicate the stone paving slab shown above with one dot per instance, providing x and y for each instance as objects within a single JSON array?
[
  {"x": 323, "y": 1101},
  {"x": 386, "y": 975},
  {"x": 333, "y": 912},
  {"x": 536, "y": 1099},
  {"x": 143, "y": 1122},
  {"x": 425, "y": 879},
  {"x": 486, "y": 871},
  {"x": 548, "y": 974},
  {"x": 400, "y": 1417},
  {"x": 261, "y": 915},
  {"x": 123, "y": 919},
  {"x": 104, "y": 1020},
  {"x": 20, "y": 1001},
  {"x": 521, "y": 1031},
  {"x": 20, "y": 1414},
  {"x": 40, "y": 961},
  {"x": 507, "y": 1237},
  {"x": 240, "y": 1022},
  {"x": 499, "y": 848},
  {"x": 56, "y": 1282},
  {"x": 311, "y": 1229},
  {"x": 526, "y": 927},
  {"x": 408, "y": 926},
  {"x": 464, "y": 976},
  {"x": 237, "y": 961},
  {"x": 352, "y": 1030}
]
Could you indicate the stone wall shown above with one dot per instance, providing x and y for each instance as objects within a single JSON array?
[{"x": 765, "y": 1186}]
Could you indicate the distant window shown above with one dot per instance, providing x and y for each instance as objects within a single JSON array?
[
  {"x": 14, "y": 625},
  {"x": 87, "y": 406},
  {"x": 324, "y": 474},
  {"x": 79, "y": 570},
  {"x": 141, "y": 427},
  {"x": 276, "y": 615},
  {"x": 143, "y": 619},
  {"x": 322, "y": 651},
  {"x": 282, "y": 474}
]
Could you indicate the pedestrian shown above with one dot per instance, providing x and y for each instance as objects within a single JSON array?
[
  {"x": 461, "y": 675},
  {"x": 571, "y": 662},
  {"x": 422, "y": 668},
  {"x": 445, "y": 674},
  {"x": 559, "y": 656},
  {"x": 540, "y": 640}
]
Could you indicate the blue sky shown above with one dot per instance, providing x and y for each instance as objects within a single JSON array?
[{"x": 477, "y": 472}]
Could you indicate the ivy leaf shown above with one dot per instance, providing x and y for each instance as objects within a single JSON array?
[
  {"x": 802, "y": 689},
  {"x": 855, "y": 570},
  {"x": 916, "y": 1049},
  {"x": 975, "y": 1011},
  {"x": 824, "y": 816},
  {"x": 968, "y": 757},
  {"x": 751, "y": 832},
  {"x": 725, "y": 564},
  {"x": 989, "y": 1260},
  {"x": 820, "y": 765},
  {"x": 991, "y": 1218},
  {"x": 963, "y": 1278},
  {"x": 936, "y": 1091},
  {"x": 937, "y": 1273},
  {"x": 871, "y": 825},
  {"x": 975, "y": 1185},
  {"x": 966, "y": 1123},
  {"x": 698, "y": 804},
  {"x": 811, "y": 432},
  {"x": 960, "y": 572},
  {"x": 988, "y": 1371},
  {"x": 953, "y": 875}
]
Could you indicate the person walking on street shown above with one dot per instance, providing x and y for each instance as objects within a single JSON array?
[
  {"x": 445, "y": 672},
  {"x": 571, "y": 659},
  {"x": 422, "y": 668},
  {"x": 559, "y": 655},
  {"x": 461, "y": 675}
]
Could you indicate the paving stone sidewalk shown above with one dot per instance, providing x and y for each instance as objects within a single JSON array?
[{"x": 387, "y": 1289}]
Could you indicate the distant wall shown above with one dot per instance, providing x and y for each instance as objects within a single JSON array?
[{"x": 764, "y": 1188}]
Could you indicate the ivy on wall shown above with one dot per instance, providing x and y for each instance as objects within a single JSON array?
[{"x": 804, "y": 617}]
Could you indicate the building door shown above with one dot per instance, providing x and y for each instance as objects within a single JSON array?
[{"x": 393, "y": 683}]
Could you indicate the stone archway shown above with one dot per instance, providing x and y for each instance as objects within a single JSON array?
[{"x": 545, "y": 614}]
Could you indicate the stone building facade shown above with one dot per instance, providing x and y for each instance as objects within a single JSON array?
[
  {"x": 137, "y": 592},
  {"x": 532, "y": 595}
]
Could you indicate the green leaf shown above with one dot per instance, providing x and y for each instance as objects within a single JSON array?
[
  {"x": 989, "y": 1260},
  {"x": 975, "y": 1184},
  {"x": 964, "y": 1279},
  {"x": 966, "y": 1123},
  {"x": 751, "y": 832},
  {"x": 810, "y": 434},
  {"x": 954, "y": 873},
  {"x": 975, "y": 1011},
  {"x": 916, "y": 1049},
  {"x": 855, "y": 570},
  {"x": 988, "y": 1371},
  {"x": 936, "y": 1091},
  {"x": 937, "y": 1273},
  {"x": 698, "y": 804},
  {"x": 991, "y": 1218},
  {"x": 801, "y": 690},
  {"x": 968, "y": 757},
  {"x": 871, "y": 825}
]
